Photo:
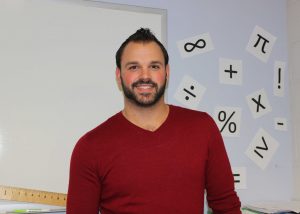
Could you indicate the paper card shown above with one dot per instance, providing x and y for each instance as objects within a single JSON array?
[
  {"x": 195, "y": 45},
  {"x": 240, "y": 177},
  {"x": 280, "y": 123},
  {"x": 228, "y": 119},
  {"x": 230, "y": 71},
  {"x": 189, "y": 92},
  {"x": 262, "y": 148},
  {"x": 258, "y": 103},
  {"x": 261, "y": 43},
  {"x": 279, "y": 71}
]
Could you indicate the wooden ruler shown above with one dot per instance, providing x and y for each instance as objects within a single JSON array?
[{"x": 32, "y": 196}]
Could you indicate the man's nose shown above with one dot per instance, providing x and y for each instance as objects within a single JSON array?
[{"x": 145, "y": 73}]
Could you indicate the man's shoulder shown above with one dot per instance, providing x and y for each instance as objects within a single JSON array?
[
  {"x": 193, "y": 117},
  {"x": 189, "y": 113},
  {"x": 104, "y": 129},
  {"x": 99, "y": 137},
  {"x": 108, "y": 124}
]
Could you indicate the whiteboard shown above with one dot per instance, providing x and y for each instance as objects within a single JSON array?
[{"x": 57, "y": 81}]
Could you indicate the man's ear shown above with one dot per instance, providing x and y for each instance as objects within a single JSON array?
[
  {"x": 118, "y": 78},
  {"x": 168, "y": 70},
  {"x": 167, "y": 73}
]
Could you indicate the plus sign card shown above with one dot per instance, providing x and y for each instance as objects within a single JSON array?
[{"x": 230, "y": 71}]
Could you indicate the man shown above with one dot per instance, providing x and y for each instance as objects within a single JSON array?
[{"x": 151, "y": 157}]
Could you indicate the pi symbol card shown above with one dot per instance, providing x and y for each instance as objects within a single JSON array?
[
  {"x": 195, "y": 45},
  {"x": 228, "y": 119},
  {"x": 190, "y": 92},
  {"x": 261, "y": 43},
  {"x": 262, "y": 148},
  {"x": 258, "y": 103}
]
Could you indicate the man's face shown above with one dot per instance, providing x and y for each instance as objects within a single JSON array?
[{"x": 143, "y": 75}]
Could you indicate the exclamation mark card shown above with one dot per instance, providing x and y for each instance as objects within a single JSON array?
[
  {"x": 189, "y": 92},
  {"x": 278, "y": 86},
  {"x": 262, "y": 148}
]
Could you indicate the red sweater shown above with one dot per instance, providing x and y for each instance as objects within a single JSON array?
[{"x": 119, "y": 168}]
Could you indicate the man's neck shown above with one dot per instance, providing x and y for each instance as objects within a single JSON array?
[{"x": 148, "y": 118}]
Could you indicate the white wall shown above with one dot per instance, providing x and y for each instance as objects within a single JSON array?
[{"x": 293, "y": 13}]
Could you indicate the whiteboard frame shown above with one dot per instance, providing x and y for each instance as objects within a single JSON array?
[{"x": 130, "y": 8}]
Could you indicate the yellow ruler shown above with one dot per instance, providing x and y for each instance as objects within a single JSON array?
[{"x": 32, "y": 196}]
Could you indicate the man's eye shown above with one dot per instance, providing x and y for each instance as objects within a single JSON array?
[
  {"x": 133, "y": 67},
  {"x": 155, "y": 67}
]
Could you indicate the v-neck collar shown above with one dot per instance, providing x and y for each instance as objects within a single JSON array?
[{"x": 140, "y": 129}]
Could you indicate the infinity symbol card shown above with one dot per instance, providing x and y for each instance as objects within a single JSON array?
[{"x": 195, "y": 45}]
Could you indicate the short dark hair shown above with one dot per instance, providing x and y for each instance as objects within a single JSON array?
[{"x": 141, "y": 35}]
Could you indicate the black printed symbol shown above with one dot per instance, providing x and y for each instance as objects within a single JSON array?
[
  {"x": 263, "y": 45},
  {"x": 236, "y": 180},
  {"x": 222, "y": 117},
  {"x": 189, "y": 92},
  {"x": 230, "y": 71},
  {"x": 279, "y": 78},
  {"x": 265, "y": 148},
  {"x": 280, "y": 123},
  {"x": 258, "y": 102},
  {"x": 194, "y": 45}
]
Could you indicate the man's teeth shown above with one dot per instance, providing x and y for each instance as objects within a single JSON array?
[{"x": 145, "y": 86}]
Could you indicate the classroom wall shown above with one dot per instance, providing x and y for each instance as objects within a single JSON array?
[
  {"x": 294, "y": 54},
  {"x": 227, "y": 27},
  {"x": 229, "y": 24}
]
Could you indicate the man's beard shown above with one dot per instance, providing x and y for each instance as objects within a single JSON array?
[{"x": 144, "y": 100}]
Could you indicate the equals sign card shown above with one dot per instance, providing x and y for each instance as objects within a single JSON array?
[
  {"x": 239, "y": 175},
  {"x": 280, "y": 123}
]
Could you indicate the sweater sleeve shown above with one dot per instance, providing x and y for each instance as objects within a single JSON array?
[
  {"x": 84, "y": 183},
  {"x": 221, "y": 196}
]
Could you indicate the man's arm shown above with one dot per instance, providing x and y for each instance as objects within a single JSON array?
[
  {"x": 221, "y": 195},
  {"x": 84, "y": 183}
]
